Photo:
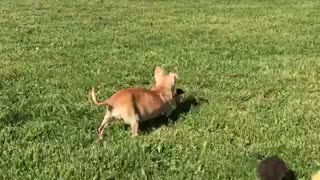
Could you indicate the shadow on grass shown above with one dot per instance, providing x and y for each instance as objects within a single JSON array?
[
  {"x": 183, "y": 108},
  {"x": 15, "y": 118}
]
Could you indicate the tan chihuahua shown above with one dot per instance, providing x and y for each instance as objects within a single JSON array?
[
  {"x": 316, "y": 176},
  {"x": 135, "y": 105}
]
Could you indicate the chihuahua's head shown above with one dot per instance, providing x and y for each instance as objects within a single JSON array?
[{"x": 165, "y": 81}]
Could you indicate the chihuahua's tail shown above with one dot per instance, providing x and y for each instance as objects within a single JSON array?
[{"x": 94, "y": 98}]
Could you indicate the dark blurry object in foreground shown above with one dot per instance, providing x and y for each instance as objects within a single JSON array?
[{"x": 274, "y": 168}]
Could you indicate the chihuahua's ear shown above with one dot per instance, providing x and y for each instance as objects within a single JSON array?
[{"x": 158, "y": 72}]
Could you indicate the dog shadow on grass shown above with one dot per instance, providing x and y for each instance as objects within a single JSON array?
[
  {"x": 183, "y": 108},
  {"x": 15, "y": 118}
]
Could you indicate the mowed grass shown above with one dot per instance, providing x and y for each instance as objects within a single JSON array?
[{"x": 257, "y": 63}]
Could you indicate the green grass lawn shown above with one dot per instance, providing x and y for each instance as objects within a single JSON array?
[{"x": 256, "y": 62}]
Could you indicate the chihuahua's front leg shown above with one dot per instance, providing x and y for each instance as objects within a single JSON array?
[{"x": 169, "y": 112}]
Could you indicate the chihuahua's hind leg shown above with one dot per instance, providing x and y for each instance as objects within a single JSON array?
[
  {"x": 105, "y": 123},
  {"x": 134, "y": 128},
  {"x": 133, "y": 121}
]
